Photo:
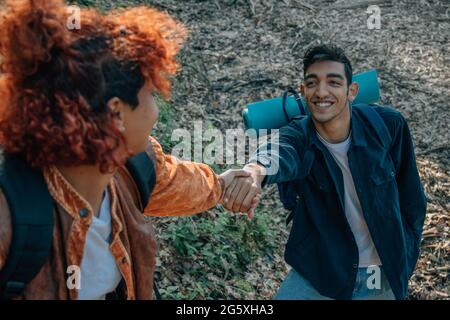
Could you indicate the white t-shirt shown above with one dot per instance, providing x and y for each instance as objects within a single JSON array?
[
  {"x": 367, "y": 252},
  {"x": 99, "y": 272}
]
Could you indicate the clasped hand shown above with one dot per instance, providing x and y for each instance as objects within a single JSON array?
[{"x": 242, "y": 189}]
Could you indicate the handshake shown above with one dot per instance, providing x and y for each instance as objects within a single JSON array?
[{"x": 242, "y": 188}]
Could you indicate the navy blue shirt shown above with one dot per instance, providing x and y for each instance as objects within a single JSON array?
[{"x": 321, "y": 245}]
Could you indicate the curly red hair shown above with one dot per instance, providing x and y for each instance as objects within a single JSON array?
[{"x": 53, "y": 79}]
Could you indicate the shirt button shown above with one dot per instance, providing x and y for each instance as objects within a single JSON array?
[
  {"x": 392, "y": 173},
  {"x": 355, "y": 266},
  {"x": 84, "y": 212},
  {"x": 124, "y": 260}
]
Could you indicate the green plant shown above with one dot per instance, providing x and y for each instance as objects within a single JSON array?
[{"x": 220, "y": 250}]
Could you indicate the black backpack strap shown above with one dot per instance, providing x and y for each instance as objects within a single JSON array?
[
  {"x": 299, "y": 103},
  {"x": 142, "y": 169},
  {"x": 377, "y": 124},
  {"x": 31, "y": 208}
]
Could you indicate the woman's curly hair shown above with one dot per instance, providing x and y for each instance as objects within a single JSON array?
[{"x": 55, "y": 82}]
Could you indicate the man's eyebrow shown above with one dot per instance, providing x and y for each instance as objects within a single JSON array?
[
  {"x": 310, "y": 76},
  {"x": 329, "y": 75},
  {"x": 335, "y": 75}
]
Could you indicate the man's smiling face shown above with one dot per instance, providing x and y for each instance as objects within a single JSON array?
[{"x": 325, "y": 90}]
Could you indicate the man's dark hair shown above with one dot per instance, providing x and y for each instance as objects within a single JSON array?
[{"x": 327, "y": 53}]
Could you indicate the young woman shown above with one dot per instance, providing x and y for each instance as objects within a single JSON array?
[{"x": 76, "y": 104}]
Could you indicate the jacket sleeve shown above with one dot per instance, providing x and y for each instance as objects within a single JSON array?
[
  {"x": 182, "y": 187},
  {"x": 412, "y": 197},
  {"x": 281, "y": 156}
]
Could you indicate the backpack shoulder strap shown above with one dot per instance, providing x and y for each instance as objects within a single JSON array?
[
  {"x": 142, "y": 169},
  {"x": 297, "y": 98},
  {"x": 31, "y": 209},
  {"x": 377, "y": 123}
]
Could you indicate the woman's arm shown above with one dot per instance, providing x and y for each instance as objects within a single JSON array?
[{"x": 182, "y": 187}]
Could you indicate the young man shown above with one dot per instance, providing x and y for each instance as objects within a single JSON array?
[{"x": 358, "y": 220}]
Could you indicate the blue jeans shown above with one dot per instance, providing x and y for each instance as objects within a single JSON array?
[{"x": 295, "y": 287}]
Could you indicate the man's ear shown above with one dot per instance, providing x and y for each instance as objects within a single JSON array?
[
  {"x": 302, "y": 90},
  {"x": 116, "y": 106},
  {"x": 353, "y": 90}
]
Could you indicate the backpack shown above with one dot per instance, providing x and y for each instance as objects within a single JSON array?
[
  {"x": 288, "y": 190},
  {"x": 32, "y": 220}
]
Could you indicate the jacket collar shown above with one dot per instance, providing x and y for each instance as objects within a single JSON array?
[{"x": 69, "y": 199}]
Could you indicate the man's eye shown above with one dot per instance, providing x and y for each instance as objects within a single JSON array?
[
  {"x": 309, "y": 84},
  {"x": 335, "y": 83}
]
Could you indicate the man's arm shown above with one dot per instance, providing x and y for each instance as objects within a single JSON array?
[
  {"x": 277, "y": 161},
  {"x": 412, "y": 197}
]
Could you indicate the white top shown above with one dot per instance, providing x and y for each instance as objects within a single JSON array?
[
  {"x": 99, "y": 272},
  {"x": 367, "y": 252}
]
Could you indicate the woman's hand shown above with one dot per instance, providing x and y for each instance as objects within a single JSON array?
[{"x": 232, "y": 180}]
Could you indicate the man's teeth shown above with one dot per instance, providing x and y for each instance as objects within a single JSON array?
[{"x": 323, "y": 104}]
